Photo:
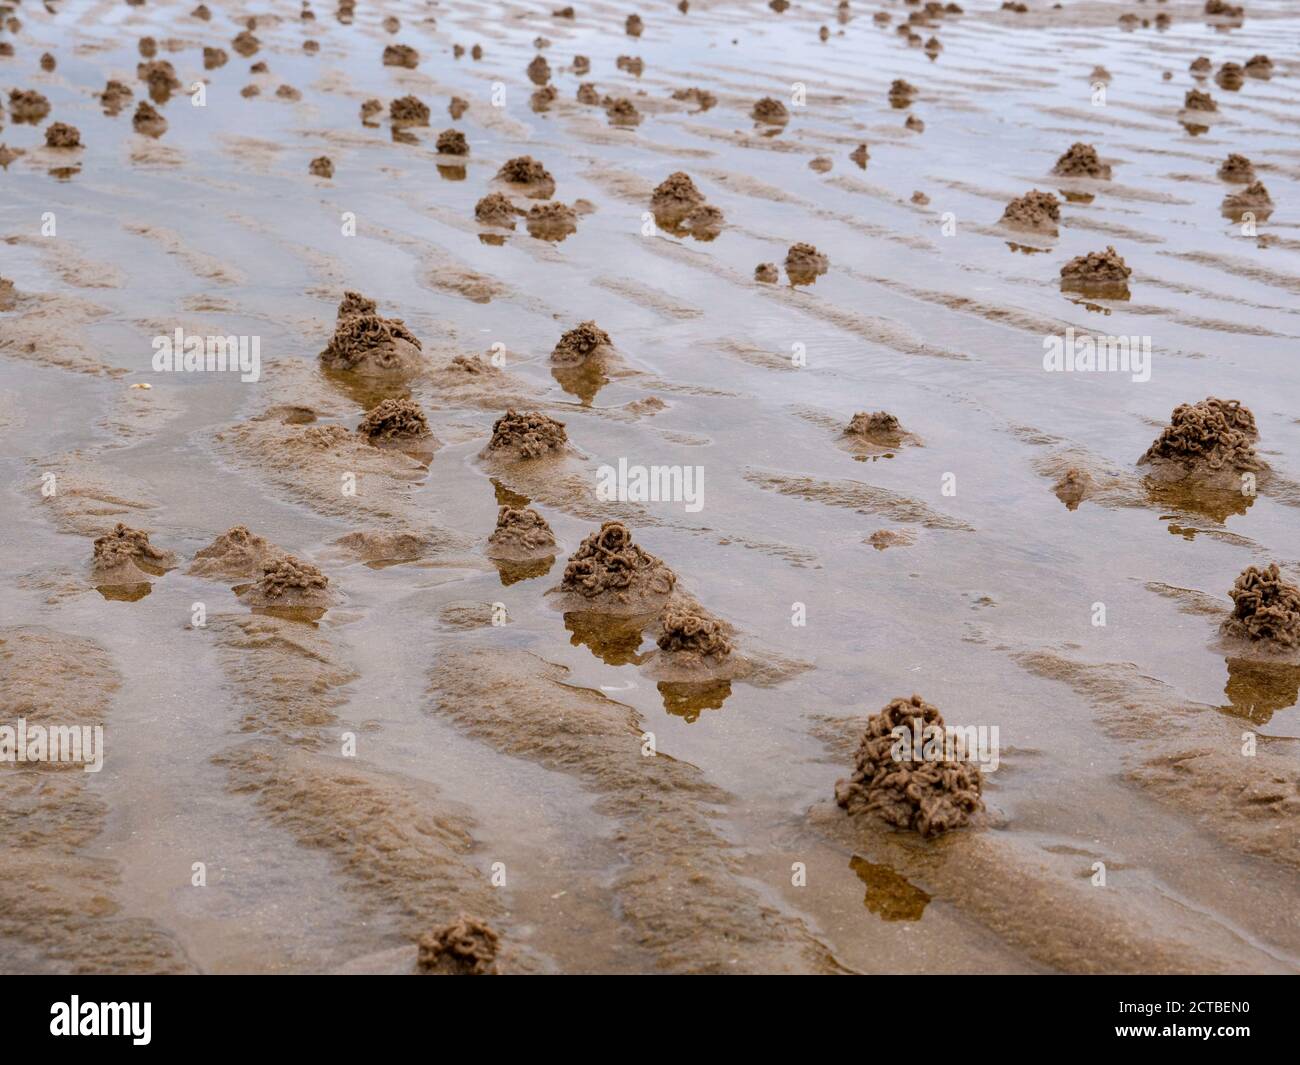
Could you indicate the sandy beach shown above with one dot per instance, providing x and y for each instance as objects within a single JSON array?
[{"x": 486, "y": 469}]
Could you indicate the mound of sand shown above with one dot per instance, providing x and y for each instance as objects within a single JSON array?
[
  {"x": 497, "y": 209},
  {"x": 551, "y": 221},
  {"x": 521, "y": 534},
  {"x": 1266, "y": 609},
  {"x": 1081, "y": 160},
  {"x": 530, "y": 435},
  {"x": 27, "y": 105},
  {"x": 148, "y": 120},
  {"x": 621, "y": 111},
  {"x": 287, "y": 581},
  {"x": 115, "y": 96},
  {"x": 702, "y": 98},
  {"x": 804, "y": 264},
  {"x": 396, "y": 422},
  {"x": 529, "y": 176},
  {"x": 160, "y": 76},
  {"x": 928, "y": 796},
  {"x": 680, "y": 207},
  {"x": 1038, "y": 212},
  {"x": 1237, "y": 169},
  {"x": 689, "y": 636},
  {"x": 582, "y": 343},
  {"x": 1210, "y": 444},
  {"x": 1254, "y": 198},
  {"x": 1100, "y": 272},
  {"x": 61, "y": 135},
  {"x": 237, "y": 554},
  {"x": 401, "y": 55},
  {"x": 407, "y": 111},
  {"x": 878, "y": 427},
  {"x": 1259, "y": 66},
  {"x": 125, "y": 556},
  {"x": 366, "y": 343},
  {"x": 771, "y": 111},
  {"x": 539, "y": 70},
  {"x": 466, "y": 947},
  {"x": 452, "y": 142},
  {"x": 611, "y": 574},
  {"x": 901, "y": 93}
]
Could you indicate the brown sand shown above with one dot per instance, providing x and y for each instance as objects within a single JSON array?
[
  {"x": 804, "y": 264},
  {"x": 1073, "y": 487},
  {"x": 408, "y": 111},
  {"x": 539, "y": 71},
  {"x": 1036, "y": 212},
  {"x": 363, "y": 342},
  {"x": 1259, "y": 66},
  {"x": 1266, "y": 610},
  {"x": 771, "y": 111},
  {"x": 1208, "y": 444},
  {"x": 1103, "y": 273},
  {"x": 926, "y": 795},
  {"x": 531, "y": 435},
  {"x": 496, "y": 209},
  {"x": 236, "y": 555},
  {"x": 397, "y": 423},
  {"x": 27, "y": 105},
  {"x": 466, "y": 947},
  {"x": 521, "y": 534},
  {"x": 529, "y": 176},
  {"x": 551, "y": 221},
  {"x": 680, "y": 207},
  {"x": 1237, "y": 169},
  {"x": 1254, "y": 198},
  {"x": 64, "y": 906},
  {"x": 679, "y": 884},
  {"x": 246, "y": 44},
  {"x": 1080, "y": 160},
  {"x": 125, "y": 556},
  {"x": 621, "y": 111},
  {"x": 148, "y": 120},
  {"x": 692, "y": 638},
  {"x": 401, "y": 55},
  {"x": 878, "y": 428},
  {"x": 160, "y": 76},
  {"x": 452, "y": 142},
  {"x": 584, "y": 342},
  {"x": 61, "y": 135},
  {"x": 115, "y": 96},
  {"x": 701, "y": 98},
  {"x": 287, "y": 581},
  {"x": 610, "y": 574}
]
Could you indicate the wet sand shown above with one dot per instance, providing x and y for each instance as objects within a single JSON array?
[{"x": 431, "y": 732}]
